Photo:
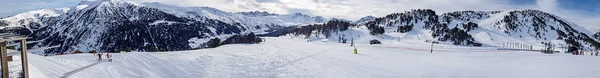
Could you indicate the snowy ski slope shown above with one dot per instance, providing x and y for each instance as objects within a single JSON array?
[{"x": 284, "y": 57}]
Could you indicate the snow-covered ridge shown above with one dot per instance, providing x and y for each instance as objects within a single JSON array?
[
  {"x": 257, "y": 13},
  {"x": 365, "y": 19},
  {"x": 89, "y": 4},
  {"x": 261, "y": 21},
  {"x": 91, "y": 25},
  {"x": 37, "y": 14},
  {"x": 473, "y": 28},
  {"x": 254, "y": 18},
  {"x": 155, "y": 24},
  {"x": 32, "y": 20}
]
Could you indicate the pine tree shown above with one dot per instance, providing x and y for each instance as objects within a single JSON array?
[{"x": 212, "y": 43}]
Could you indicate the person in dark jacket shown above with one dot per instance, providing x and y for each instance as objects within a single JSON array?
[
  {"x": 99, "y": 56},
  {"x": 573, "y": 50}
]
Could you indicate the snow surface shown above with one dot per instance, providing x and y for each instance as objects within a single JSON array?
[
  {"x": 162, "y": 22},
  {"x": 197, "y": 43},
  {"x": 277, "y": 58}
]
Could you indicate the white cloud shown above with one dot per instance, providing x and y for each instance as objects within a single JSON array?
[{"x": 547, "y": 5}]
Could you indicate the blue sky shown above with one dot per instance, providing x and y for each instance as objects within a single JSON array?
[
  {"x": 588, "y": 6},
  {"x": 581, "y": 10}
]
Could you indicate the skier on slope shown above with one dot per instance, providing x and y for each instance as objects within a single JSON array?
[
  {"x": 355, "y": 51},
  {"x": 352, "y": 42},
  {"x": 108, "y": 57},
  {"x": 99, "y": 56}
]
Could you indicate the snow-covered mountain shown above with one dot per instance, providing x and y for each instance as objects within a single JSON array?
[
  {"x": 521, "y": 26},
  {"x": 26, "y": 22},
  {"x": 474, "y": 28},
  {"x": 365, "y": 19},
  {"x": 112, "y": 25},
  {"x": 255, "y": 21}
]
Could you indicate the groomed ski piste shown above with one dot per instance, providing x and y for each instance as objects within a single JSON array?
[{"x": 286, "y": 57}]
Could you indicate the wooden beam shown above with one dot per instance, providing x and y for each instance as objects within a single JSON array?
[
  {"x": 13, "y": 39},
  {"x": 3, "y": 59},
  {"x": 24, "y": 59}
]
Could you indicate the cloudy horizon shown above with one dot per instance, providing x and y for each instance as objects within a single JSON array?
[{"x": 580, "y": 11}]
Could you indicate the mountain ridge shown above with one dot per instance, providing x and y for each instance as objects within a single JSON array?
[
  {"x": 141, "y": 27},
  {"x": 528, "y": 27}
]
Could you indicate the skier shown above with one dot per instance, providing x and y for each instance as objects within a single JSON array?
[
  {"x": 99, "y": 56},
  {"x": 355, "y": 51},
  {"x": 352, "y": 43},
  {"x": 339, "y": 39},
  {"x": 108, "y": 57}
]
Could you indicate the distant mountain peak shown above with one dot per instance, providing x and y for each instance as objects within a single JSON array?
[
  {"x": 89, "y": 4},
  {"x": 365, "y": 19},
  {"x": 300, "y": 14},
  {"x": 422, "y": 11},
  {"x": 339, "y": 19},
  {"x": 257, "y": 13}
]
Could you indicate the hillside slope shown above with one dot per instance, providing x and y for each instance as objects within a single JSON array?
[
  {"x": 523, "y": 28},
  {"x": 275, "y": 58}
]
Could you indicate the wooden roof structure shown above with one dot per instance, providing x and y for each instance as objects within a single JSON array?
[
  {"x": 7, "y": 37},
  {"x": 11, "y": 37}
]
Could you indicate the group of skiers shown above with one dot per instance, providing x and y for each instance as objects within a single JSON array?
[
  {"x": 583, "y": 53},
  {"x": 576, "y": 51},
  {"x": 108, "y": 56}
]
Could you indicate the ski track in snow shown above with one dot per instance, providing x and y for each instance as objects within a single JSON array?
[
  {"x": 296, "y": 58},
  {"x": 66, "y": 75}
]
